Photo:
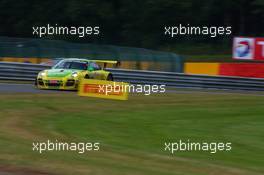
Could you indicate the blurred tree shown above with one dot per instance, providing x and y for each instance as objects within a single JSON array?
[{"x": 132, "y": 22}]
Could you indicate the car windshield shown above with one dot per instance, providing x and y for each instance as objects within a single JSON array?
[{"x": 71, "y": 65}]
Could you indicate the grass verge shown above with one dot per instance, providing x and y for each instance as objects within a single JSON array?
[{"x": 132, "y": 133}]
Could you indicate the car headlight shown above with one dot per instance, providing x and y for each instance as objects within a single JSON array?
[
  {"x": 74, "y": 74},
  {"x": 42, "y": 74}
]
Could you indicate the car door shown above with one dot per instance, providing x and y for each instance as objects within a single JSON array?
[{"x": 95, "y": 71}]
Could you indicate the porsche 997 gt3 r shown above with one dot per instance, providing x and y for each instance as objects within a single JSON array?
[{"x": 67, "y": 74}]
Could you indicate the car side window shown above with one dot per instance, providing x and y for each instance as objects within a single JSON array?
[
  {"x": 95, "y": 66},
  {"x": 63, "y": 65}
]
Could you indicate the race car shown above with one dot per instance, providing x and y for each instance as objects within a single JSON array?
[{"x": 67, "y": 73}]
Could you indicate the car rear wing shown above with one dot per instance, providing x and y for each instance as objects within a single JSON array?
[{"x": 105, "y": 62}]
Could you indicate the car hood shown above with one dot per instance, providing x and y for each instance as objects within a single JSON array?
[{"x": 60, "y": 73}]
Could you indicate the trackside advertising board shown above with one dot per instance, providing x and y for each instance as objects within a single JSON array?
[
  {"x": 248, "y": 48},
  {"x": 103, "y": 89}
]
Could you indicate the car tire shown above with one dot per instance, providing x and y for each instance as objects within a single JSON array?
[
  {"x": 86, "y": 77},
  {"x": 110, "y": 77}
]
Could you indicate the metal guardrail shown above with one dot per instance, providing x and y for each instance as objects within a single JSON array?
[
  {"x": 28, "y": 72},
  {"x": 20, "y": 71}
]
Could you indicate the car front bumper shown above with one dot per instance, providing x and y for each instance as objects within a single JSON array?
[{"x": 62, "y": 84}]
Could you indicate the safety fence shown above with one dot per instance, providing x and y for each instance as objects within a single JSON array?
[{"x": 39, "y": 50}]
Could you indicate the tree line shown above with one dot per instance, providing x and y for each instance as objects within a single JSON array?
[{"x": 132, "y": 22}]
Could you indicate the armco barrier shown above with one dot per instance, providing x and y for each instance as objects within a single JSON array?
[
  {"x": 20, "y": 71},
  {"x": 28, "y": 72}
]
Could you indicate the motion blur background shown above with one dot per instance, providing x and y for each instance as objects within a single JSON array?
[
  {"x": 134, "y": 23},
  {"x": 126, "y": 26}
]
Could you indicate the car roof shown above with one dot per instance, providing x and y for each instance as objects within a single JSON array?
[{"x": 77, "y": 59}]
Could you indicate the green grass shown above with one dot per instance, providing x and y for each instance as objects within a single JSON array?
[{"x": 132, "y": 133}]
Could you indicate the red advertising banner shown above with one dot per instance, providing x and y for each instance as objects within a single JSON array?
[
  {"x": 259, "y": 48},
  {"x": 248, "y": 48},
  {"x": 254, "y": 70}
]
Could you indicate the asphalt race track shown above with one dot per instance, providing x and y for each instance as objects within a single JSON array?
[
  {"x": 10, "y": 88},
  {"x": 22, "y": 88}
]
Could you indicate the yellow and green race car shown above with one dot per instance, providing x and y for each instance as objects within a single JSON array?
[{"x": 67, "y": 73}]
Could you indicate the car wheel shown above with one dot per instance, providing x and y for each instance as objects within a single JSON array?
[
  {"x": 86, "y": 77},
  {"x": 110, "y": 77}
]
